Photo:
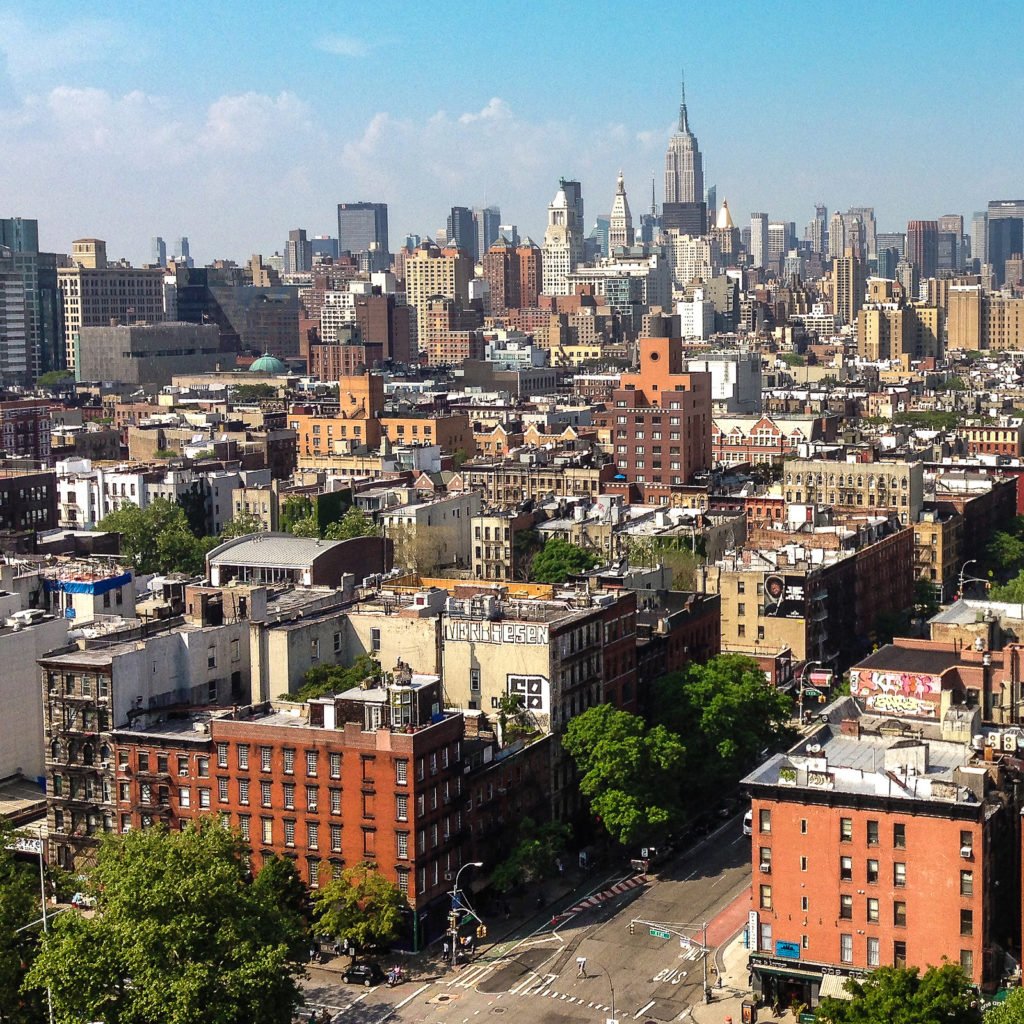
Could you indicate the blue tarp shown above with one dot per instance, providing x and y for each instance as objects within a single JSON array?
[{"x": 88, "y": 587}]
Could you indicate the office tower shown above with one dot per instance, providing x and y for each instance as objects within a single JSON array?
[
  {"x": 509, "y": 232},
  {"x": 887, "y": 259},
  {"x": 923, "y": 246},
  {"x": 19, "y": 234},
  {"x": 758, "y": 239},
  {"x": 855, "y": 237},
  {"x": 684, "y": 169},
  {"x": 951, "y": 243},
  {"x": 462, "y": 230},
  {"x": 531, "y": 272},
  {"x": 298, "y": 253},
  {"x": 435, "y": 273},
  {"x": 1004, "y": 235},
  {"x": 157, "y": 251},
  {"x": 620, "y": 223},
  {"x": 711, "y": 197},
  {"x": 361, "y": 226},
  {"x": 15, "y": 340},
  {"x": 563, "y": 238},
  {"x": 979, "y": 240},
  {"x": 184, "y": 254},
  {"x": 836, "y": 236},
  {"x": 909, "y": 278},
  {"x": 596, "y": 243},
  {"x": 777, "y": 244},
  {"x": 19, "y": 237},
  {"x": 685, "y": 218},
  {"x": 488, "y": 225},
  {"x": 817, "y": 230},
  {"x": 501, "y": 272},
  {"x": 868, "y": 228},
  {"x": 848, "y": 283},
  {"x": 893, "y": 240},
  {"x": 323, "y": 247}
]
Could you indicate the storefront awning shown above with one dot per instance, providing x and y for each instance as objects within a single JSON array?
[
  {"x": 834, "y": 985},
  {"x": 786, "y": 972}
]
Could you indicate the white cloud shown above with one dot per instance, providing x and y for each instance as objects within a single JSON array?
[
  {"x": 250, "y": 121},
  {"x": 344, "y": 46}
]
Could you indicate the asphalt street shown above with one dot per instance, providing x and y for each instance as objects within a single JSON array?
[{"x": 642, "y": 975}]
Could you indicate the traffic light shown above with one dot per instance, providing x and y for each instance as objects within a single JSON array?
[{"x": 481, "y": 931}]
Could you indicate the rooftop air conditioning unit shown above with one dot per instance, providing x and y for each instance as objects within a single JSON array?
[
  {"x": 965, "y": 852},
  {"x": 766, "y": 869}
]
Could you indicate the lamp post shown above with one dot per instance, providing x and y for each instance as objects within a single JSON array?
[
  {"x": 27, "y": 845},
  {"x": 453, "y": 918},
  {"x": 969, "y": 579},
  {"x": 803, "y": 683},
  {"x": 611, "y": 988}
]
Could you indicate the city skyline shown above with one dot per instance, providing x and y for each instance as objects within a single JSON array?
[{"x": 127, "y": 127}]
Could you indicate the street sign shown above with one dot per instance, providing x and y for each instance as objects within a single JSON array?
[{"x": 660, "y": 933}]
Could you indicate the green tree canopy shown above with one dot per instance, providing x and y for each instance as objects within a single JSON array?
[
  {"x": 19, "y": 906},
  {"x": 324, "y": 679},
  {"x": 354, "y": 523},
  {"x": 558, "y": 560},
  {"x": 359, "y": 906},
  {"x": 297, "y": 509},
  {"x": 727, "y": 712},
  {"x": 1012, "y": 592},
  {"x": 252, "y": 392},
  {"x": 55, "y": 378},
  {"x": 534, "y": 856},
  {"x": 241, "y": 526},
  {"x": 630, "y": 773},
  {"x": 1011, "y": 1011},
  {"x": 158, "y": 538},
  {"x": 181, "y": 935},
  {"x": 894, "y": 995}
]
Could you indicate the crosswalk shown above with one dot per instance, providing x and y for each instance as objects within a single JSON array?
[
  {"x": 691, "y": 953},
  {"x": 532, "y": 984}
]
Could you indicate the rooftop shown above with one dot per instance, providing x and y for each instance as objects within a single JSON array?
[{"x": 278, "y": 549}]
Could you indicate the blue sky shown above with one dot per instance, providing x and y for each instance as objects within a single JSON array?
[{"x": 232, "y": 122}]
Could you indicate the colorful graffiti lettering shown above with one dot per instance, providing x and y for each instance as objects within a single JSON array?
[{"x": 900, "y": 704}]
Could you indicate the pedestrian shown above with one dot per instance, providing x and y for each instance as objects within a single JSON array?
[{"x": 581, "y": 967}]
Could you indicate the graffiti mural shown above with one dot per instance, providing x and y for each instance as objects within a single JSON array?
[{"x": 897, "y": 693}]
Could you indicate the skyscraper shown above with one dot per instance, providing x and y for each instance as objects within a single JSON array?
[
  {"x": 684, "y": 168},
  {"x": 362, "y": 226},
  {"x": 488, "y": 227},
  {"x": 979, "y": 240},
  {"x": 711, "y": 198},
  {"x": 923, "y": 246},
  {"x": 183, "y": 253},
  {"x": 868, "y": 228},
  {"x": 848, "y": 283},
  {"x": 1005, "y": 235},
  {"x": 620, "y": 223},
  {"x": 563, "y": 238},
  {"x": 158, "y": 252},
  {"x": 298, "y": 253},
  {"x": 758, "y": 239},
  {"x": 817, "y": 230},
  {"x": 836, "y": 236},
  {"x": 462, "y": 230}
]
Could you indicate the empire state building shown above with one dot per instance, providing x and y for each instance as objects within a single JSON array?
[{"x": 684, "y": 169}]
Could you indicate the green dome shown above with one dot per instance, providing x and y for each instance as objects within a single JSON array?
[{"x": 268, "y": 364}]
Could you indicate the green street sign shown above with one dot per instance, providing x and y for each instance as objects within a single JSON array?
[{"x": 659, "y": 933}]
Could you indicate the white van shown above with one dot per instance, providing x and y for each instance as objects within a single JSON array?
[{"x": 748, "y": 823}]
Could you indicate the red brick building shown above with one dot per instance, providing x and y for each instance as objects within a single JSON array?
[
  {"x": 371, "y": 775},
  {"x": 879, "y": 844}
]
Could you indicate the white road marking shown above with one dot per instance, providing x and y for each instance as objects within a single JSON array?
[
  {"x": 409, "y": 999},
  {"x": 643, "y": 1009}
]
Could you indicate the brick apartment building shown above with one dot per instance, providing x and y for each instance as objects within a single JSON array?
[{"x": 880, "y": 842}]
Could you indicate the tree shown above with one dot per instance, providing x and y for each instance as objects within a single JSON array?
[
  {"x": 19, "y": 905},
  {"x": 534, "y": 856},
  {"x": 324, "y": 679},
  {"x": 304, "y": 527},
  {"x": 1010, "y": 1011},
  {"x": 56, "y": 378},
  {"x": 678, "y": 555},
  {"x": 243, "y": 393},
  {"x": 1012, "y": 592},
  {"x": 629, "y": 772},
  {"x": 558, "y": 560},
  {"x": 158, "y": 538},
  {"x": 926, "y": 598},
  {"x": 241, "y": 526},
  {"x": 513, "y": 718},
  {"x": 360, "y": 907},
  {"x": 294, "y": 509},
  {"x": 898, "y": 995},
  {"x": 193, "y": 504},
  {"x": 728, "y": 713},
  {"x": 180, "y": 935},
  {"x": 354, "y": 523}
]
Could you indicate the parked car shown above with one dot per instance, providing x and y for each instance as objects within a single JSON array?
[
  {"x": 748, "y": 823},
  {"x": 367, "y": 974}
]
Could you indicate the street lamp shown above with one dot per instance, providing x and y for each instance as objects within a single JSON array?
[
  {"x": 969, "y": 579},
  {"x": 453, "y": 919},
  {"x": 803, "y": 683},
  {"x": 611, "y": 988}
]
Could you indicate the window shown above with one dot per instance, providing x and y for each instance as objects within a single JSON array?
[
  {"x": 288, "y": 790},
  {"x": 899, "y": 913},
  {"x": 846, "y": 908},
  {"x": 211, "y": 656},
  {"x": 899, "y": 875},
  {"x": 872, "y": 833},
  {"x": 403, "y": 845},
  {"x": 265, "y": 794},
  {"x": 314, "y": 650},
  {"x": 846, "y": 949},
  {"x": 335, "y": 839},
  {"x": 873, "y": 952},
  {"x": 182, "y": 763},
  {"x": 203, "y": 764},
  {"x": 433, "y": 763},
  {"x": 265, "y": 754},
  {"x": 311, "y": 762},
  {"x": 289, "y": 761},
  {"x": 766, "y": 897},
  {"x": 967, "y": 961},
  {"x": 289, "y": 832},
  {"x": 335, "y": 765},
  {"x": 872, "y": 909},
  {"x": 204, "y": 798},
  {"x": 872, "y": 871},
  {"x": 846, "y": 830},
  {"x": 335, "y": 801},
  {"x": 803, "y": 826},
  {"x": 803, "y": 863},
  {"x": 474, "y": 680},
  {"x": 403, "y": 880},
  {"x": 143, "y": 761},
  {"x": 312, "y": 798},
  {"x": 184, "y": 796},
  {"x": 804, "y": 903},
  {"x": 966, "y": 922},
  {"x": 402, "y": 807},
  {"x": 966, "y": 840},
  {"x": 401, "y": 772},
  {"x": 314, "y": 873},
  {"x": 764, "y": 820},
  {"x": 267, "y": 830},
  {"x": 899, "y": 954},
  {"x": 243, "y": 826},
  {"x": 846, "y": 869},
  {"x": 899, "y": 836},
  {"x": 243, "y": 791},
  {"x": 966, "y": 883},
  {"x": 375, "y": 639},
  {"x": 313, "y": 835},
  {"x": 243, "y": 755},
  {"x": 235, "y": 655},
  {"x": 337, "y": 643},
  {"x": 222, "y": 790}
]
